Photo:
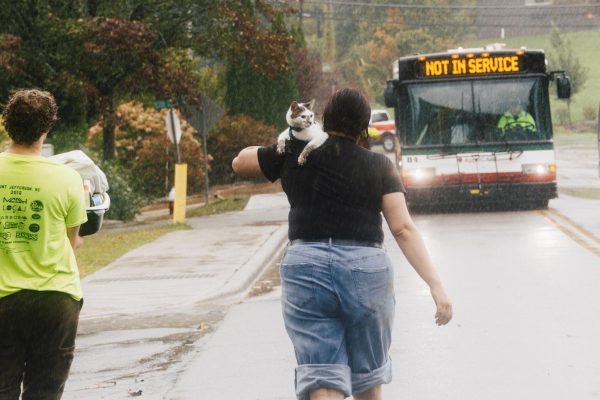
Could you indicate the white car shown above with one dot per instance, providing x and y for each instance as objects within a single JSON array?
[{"x": 382, "y": 130}]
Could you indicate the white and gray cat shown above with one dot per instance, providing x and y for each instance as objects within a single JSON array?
[{"x": 302, "y": 126}]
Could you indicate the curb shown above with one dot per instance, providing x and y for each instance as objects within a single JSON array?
[{"x": 240, "y": 283}]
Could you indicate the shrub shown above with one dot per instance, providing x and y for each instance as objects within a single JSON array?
[
  {"x": 229, "y": 136},
  {"x": 67, "y": 137},
  {"x": 144, "y": 150},
  {"x": 152, "y": 176},
  {"x": 125, "y": 201},
  {"x": 590, "y": 113}
]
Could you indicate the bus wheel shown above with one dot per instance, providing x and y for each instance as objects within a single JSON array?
[
  {"x": 541, "y": 204},
  {"x": 388, "y": 142}
]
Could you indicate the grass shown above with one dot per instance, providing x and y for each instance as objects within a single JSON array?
[
  {"x": 235, "y": 203},
  {"x": 584, "y": 193},
  {"x": 579, "y": 139},
  {"x": 106, "y": 246},
  {"x": 586, "y": 47}
]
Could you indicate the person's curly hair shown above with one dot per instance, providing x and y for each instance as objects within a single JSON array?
[{"x": 28, "y": 114}]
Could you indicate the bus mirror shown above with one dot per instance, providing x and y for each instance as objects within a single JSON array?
[
  {"x": 563, "y": 86},
  {"x": 390, "y": 96}
]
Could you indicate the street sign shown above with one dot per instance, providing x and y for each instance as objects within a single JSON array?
[
  {"x": 211, "y": 113},
  {"x": 172, "y": 122},
  {"x": 204, "y": 117},
  {"x": 162, "y": 103}
]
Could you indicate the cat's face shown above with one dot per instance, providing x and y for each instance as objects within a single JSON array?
[{"x": 300, "y": 115}]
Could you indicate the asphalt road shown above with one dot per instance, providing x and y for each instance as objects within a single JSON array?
[
  {"x": 526, "y": 323},
  {"x": 524, "y": 286}
]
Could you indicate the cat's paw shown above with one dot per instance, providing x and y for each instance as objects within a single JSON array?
[
  {"x": 302, "y": 159},
  {"x": 281, "y": 147}
]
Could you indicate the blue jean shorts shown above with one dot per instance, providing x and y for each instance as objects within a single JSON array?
[{"x": 338, "y": 307}]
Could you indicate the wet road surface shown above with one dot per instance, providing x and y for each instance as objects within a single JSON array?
[{"x": 526, "y": 302}]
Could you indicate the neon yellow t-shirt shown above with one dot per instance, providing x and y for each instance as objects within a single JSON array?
[{"x": 39, "y": 201}]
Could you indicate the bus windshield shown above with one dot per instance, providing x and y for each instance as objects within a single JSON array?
[{"x": 477, "y": 111}]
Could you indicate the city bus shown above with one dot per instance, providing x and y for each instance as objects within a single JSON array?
[{"x": 475, "y": 126}]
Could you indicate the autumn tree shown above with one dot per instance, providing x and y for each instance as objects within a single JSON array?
[
  {"x": 144, "y": 149},
  {"x": 260, "y": 78}
]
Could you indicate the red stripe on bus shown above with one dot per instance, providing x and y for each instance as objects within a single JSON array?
[{"x": 488, "y": 177}]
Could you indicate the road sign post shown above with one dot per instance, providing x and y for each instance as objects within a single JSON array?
[
  {"x": 203, "y": 118},
  {"x": 180, "y": 193}
]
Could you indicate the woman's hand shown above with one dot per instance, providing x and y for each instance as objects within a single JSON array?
[
  {"x": 442, "y": 302},
  {"x": 246, "y": 163}
]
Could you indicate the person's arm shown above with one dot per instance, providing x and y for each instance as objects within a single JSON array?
[
  {"x": 410, "y": 242},
  {"x": 74, "y": 238},
  {"x": 246, "y": 163}
]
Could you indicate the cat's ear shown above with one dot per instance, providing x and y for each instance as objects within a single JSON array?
[
  {"x": 310, "y": 104},
  {"x": 294, "y": 105}
]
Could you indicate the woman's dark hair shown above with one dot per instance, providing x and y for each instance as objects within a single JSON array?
[
  {"x": 347, "y": 112},
  {"x": 28, "y": 114}
]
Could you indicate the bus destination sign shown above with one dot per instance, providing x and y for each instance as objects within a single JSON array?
[{"x": 473, "y": 64}]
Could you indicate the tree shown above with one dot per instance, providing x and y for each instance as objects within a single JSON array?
[
  {"x": 34, "y": 48},
  {"x": 388, "y": 42},
  {"x": 119, "y": 60},
  {"x": 260, "y": 77},
  {"x": 561, "y": 57},
  {"x": 91, "y": 62}
]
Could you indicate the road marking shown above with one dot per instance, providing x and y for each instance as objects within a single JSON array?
[
  {"x": 578, "y": 227},
  {"x": 573, "y": 230}
]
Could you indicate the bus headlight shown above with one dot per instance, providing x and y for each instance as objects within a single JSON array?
[
  {"x": 537, "y": 169},
  {"x": 420, "y": 174}
]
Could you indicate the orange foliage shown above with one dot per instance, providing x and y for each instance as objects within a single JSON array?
[{"x": 143, "y": 148}]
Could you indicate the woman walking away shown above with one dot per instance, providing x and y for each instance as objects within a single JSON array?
[{"x": 337, "y": 281}]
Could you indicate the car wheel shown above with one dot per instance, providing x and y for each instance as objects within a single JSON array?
[{"x": 388, "y": 142}]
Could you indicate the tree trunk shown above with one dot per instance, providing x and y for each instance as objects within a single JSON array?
[{"x": 108, "y": 130}]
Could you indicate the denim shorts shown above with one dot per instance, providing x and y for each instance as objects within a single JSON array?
[{"x": 338, "y": 307}]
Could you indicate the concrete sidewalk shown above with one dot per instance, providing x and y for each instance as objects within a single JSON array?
[
  {"x": 143, "y": 312},
  {"x": 220, "y": 256}
]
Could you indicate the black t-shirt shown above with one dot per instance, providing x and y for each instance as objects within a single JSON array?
[{"x": 337, "y": 193}]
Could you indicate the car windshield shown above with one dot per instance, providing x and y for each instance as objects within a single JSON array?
[
  {"x": 485, "y": 111},
  {"x": 378, "y": 116}
]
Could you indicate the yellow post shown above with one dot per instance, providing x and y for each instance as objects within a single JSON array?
[{"x": 180, "y": 193}]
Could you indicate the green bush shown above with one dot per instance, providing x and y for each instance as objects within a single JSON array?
[
  {"x": 125, "y": 201},
  {"x": 228, "y": 137},
  {"x": 67, "y": 137}
]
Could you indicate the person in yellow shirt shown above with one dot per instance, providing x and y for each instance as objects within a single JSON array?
[
  {"x": 42, "y": 206},
  {"x": 516, "y": 117}
]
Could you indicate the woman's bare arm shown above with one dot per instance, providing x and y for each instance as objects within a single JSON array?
[
  {"x": 408, "y": 238},
  {"x": 246, "y": 163}
]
